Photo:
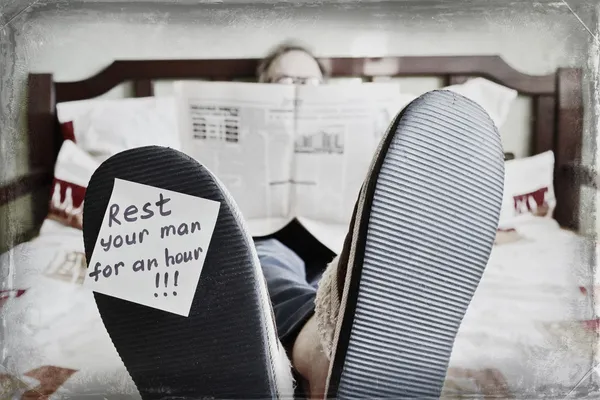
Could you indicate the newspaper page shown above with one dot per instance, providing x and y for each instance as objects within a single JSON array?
[
  {"x": 338, "y": 128},
  {"x": 243, "y": 133}
]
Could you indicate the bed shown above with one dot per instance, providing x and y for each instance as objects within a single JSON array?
[{"x": 531, "y": 329}]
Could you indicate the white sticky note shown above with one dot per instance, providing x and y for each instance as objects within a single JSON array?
[{"x": 152, "y": 246}]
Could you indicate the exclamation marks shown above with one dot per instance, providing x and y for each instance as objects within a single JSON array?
[
  {"x": 157, "y": 280},
  {"x": 166, "y": 280}
]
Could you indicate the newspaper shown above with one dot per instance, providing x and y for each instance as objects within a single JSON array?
[
  {"x": 286, "y": 151},
  {"x": 303, "y": 152}
]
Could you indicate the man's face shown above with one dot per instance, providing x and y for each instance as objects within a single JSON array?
[{"x": 295, "y": 67}]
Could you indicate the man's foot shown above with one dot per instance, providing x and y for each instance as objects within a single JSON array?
[
  {"x": 389, "y": 307},
  {"x": 227, "y": 347}
]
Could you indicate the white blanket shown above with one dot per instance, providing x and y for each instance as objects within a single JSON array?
[{"x": 524, "y": 333}]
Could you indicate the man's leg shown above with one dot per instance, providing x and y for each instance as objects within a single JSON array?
[
  {"x": 226, "y": 346},
  {"x": 389, "y": 307},
  {"x": 293, "y": 300}
]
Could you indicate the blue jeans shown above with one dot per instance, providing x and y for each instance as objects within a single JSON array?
[
  {"x": 293, "y": 262},
  {"x": 292, "y": 293}
]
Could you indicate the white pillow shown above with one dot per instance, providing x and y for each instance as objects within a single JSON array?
[
  {"x": 528, "y": 189},
  {"x": 495, "y": 99},
  {"x": 106, "y": 127},
  {"x": 492, "y": 97}
]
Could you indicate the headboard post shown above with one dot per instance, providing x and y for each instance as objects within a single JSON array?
[
  {"x": 44, "y": 138},
  {"x": 544, "y": 123},
  {"x": 567, "y": 148},
  {"x": 41, "y": 121}
]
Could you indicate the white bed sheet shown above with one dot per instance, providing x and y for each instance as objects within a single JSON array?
[
  {"x": 527, "y": 320},
  {"x": 524, "y": 333},
  {"x": 56, "y": 323}
]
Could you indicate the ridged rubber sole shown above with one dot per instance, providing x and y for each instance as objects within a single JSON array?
[
  {"x": 224, "y": 348},
  {"x": 426, "y": 231}
]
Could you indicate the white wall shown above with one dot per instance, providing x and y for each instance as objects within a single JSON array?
[{"x": 74, "y": 42}]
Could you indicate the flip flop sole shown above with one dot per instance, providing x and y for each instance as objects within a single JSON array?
[
  {"x": 223, "y": 349},
  {"x": 426, "y": 229}
]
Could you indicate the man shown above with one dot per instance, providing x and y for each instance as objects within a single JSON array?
[
  {"x": 382, "y": 319},
  {"x": 293, "y": 261},
  {"x": 285, "y": 256}
]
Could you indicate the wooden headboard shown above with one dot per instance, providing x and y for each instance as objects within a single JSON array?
[{"x": 556, "y": 124}]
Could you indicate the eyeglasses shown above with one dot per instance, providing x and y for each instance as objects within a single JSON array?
[{"x": 293, "y": 80}]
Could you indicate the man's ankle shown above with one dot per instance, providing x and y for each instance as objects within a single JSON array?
[
  {"x": 303, "y": 347},
  {"x": 309, "y": 359}
]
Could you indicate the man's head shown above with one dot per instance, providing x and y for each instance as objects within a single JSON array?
[{"x": 290, "y": 63}]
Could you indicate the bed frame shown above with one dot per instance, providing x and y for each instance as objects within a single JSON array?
[{"x": 557, "y": 114}]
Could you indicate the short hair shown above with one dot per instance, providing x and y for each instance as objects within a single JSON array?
[{"x": 278, "y": 51}]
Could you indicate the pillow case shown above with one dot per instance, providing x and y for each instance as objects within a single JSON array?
[
  {"x": 495, "y": 99},
  {"x": 528, "y": 189},
  {"x": 492, "y": 97},
  {"x": 72, "y": 173},
  {"x": 106, "y": 127}
]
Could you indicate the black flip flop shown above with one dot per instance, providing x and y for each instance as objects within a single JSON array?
[
  {"x": 227, "y": 347},
  {"x": 419, "y": 242}
]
